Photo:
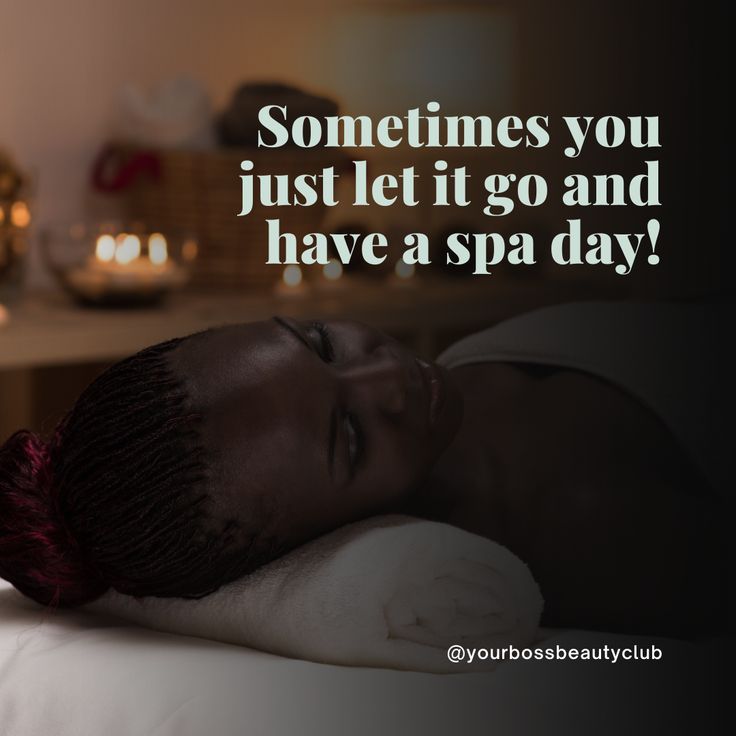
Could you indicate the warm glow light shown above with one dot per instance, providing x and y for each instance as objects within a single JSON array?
[
  {"x": 292, "y": 275},
  {"x": 332, "y": 270},
  {"x": 189, "y": 250},
  {"x": 20, "y": 215},
  {"x": 105, "y": 248},
  {"x": 404, "y": 270},
  {"x": 2, "y": 215},
  {"x": 129, "y": 248},
  {"x": 157, "y": 249}
]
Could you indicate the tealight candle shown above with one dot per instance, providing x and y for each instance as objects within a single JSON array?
[
  {"x": 189, "y": 250},
  {"x": 128, "y": 249},
  {"x": 158, "y": 250},
  {"x": 332, "y": 270},
  {"x": 119, "y": 269},
  {"x": 123, "y": 255},
  {"x": 333, "y": 277},
  {"x": 20, "y": 215},
  {"x": 292, "y": 282},
  {"x": 105, "y": 249},
  {"x": 404, "y": 273}
]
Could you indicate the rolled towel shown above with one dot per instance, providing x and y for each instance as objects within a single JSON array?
[{"x": 391, "y": 591}]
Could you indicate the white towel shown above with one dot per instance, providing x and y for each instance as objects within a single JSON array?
[
  {"x": 175, "y": 114},
  {"x": 391, "y": 592}
]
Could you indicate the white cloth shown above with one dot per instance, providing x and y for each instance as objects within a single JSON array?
[
  {"x": 75, "y": 673},
  {"x": 390, "y": 592},
  {"x": 665, "y": 355},
  {"x": 176, "y": 114}
]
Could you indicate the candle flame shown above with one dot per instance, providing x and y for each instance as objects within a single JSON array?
[
  {"x": 20, "y": 215},
  {"x": 105, "y": 248},
  {"x": 189, "y": 250},
  {"x": 292, "y": 275},
  {"x": 332, "y": 270},
  {"x": 157, "y": 249},
  {"x": 128, "y": 249},
  {"x": 404, "y": 270}
]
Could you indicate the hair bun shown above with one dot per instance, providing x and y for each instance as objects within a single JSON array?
[{"x": 38, "y": 554}]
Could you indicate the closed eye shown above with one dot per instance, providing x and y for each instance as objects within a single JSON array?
[
  {"x": 322, "y": 341},
  {"x": 317, "y": 338}
]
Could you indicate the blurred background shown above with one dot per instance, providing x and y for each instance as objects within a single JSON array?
[{"x": 123, "y": 124}]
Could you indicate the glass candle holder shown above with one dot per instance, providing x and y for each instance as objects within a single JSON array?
[{"x": 118, "y": 265}]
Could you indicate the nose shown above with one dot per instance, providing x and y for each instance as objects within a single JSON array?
[{"x": 378, "y": 379}]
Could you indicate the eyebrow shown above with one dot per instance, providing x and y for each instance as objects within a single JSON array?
[{"x": 332, "y": 431}]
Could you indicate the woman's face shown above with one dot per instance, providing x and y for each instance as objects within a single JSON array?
[{"x": 321, "y": 423}]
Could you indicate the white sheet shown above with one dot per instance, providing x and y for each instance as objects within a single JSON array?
[{"x": 78, "y": 674}]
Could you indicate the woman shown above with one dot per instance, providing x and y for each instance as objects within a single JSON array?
[{"x": 196, "y": 461}]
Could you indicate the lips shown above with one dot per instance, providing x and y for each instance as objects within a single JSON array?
[{"x": 435, "y": 387}]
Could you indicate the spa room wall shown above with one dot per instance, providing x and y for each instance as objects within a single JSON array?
[{"x": 63, "y": 65}]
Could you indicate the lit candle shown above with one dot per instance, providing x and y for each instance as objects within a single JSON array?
[
  {"x": 128, "y": 249},
  {"x": 20, "y": 215},
  {"x": 158, "y": 250},
  {"x": 333, "y": 276},
  {"x": 404, "y": 272},
  {"x": 332, "y": 270},
  {"x": 189, "y": 250},
  {"x": 105, "y": 248},
  {"x": 119, "y": 268},
  {"x": 122, "y": 255},
  {"x": 292, "y": 276},
  {"x": 292, "y": 282}
]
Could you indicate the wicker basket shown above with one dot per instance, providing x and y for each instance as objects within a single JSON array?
[{"x": 200, "y": 192}]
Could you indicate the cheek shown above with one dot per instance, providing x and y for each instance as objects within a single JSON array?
[{"x": 399, "y": 460}]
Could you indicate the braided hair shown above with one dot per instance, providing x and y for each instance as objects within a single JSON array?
[{"x": 117, "y": 498}]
